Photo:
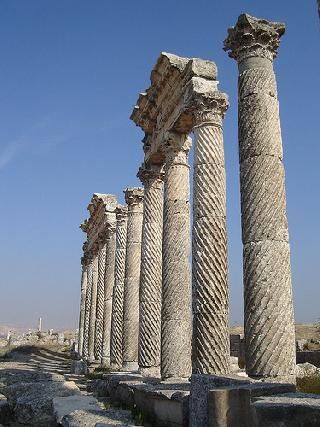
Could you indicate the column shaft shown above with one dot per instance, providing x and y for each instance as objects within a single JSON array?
[
  {"x": 269, "y": 323},
  {"x": 108, "y": 291},
  {"x": 93, "y": 308},
  {"x": 117, "y": 300},
  {"x": 87, "y": 311},
  {"x": 211, "y": 343},
  {"x": 151, "y": 272},
  {"x": 176, "y": 279},
  {"x": 134, "y": 199},
  {"x": 84, "y": 283},
  {"x": 100, "y": 301}
]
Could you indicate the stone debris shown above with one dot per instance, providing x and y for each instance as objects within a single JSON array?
[{"x": 307, "y": 370}]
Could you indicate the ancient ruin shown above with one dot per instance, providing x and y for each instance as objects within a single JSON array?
[
  {"x": 142, "y": 311},
  {"x": 268, "y": 317}
]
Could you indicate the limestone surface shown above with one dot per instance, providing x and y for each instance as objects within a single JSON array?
[
  {"x": 151, "y": 271},
  {"x": 118, "y": 293},
  {"x": 176, "y": 281},
  {"x": 268, "y": 317},
  {"x": 210, "y": 289},
  {"x": 134, "y": 200}
]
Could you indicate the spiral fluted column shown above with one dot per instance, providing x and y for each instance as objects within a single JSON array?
[
  {"x": 85, "y": 351},
  {"x": 176, "y": 278},
  {"x": 134, "y": 200},
  {"x": 211, "y": 344},
  {"x": 108, "y": 288},
  {"x": 151, "y": 271},
  {"x": 84, "y": 282},
  {"x": 100, "y": 299},
  {"x": 269, "y": 322},
  {"x": 93, "y": 307},
  {"x": 119, "y": 277}
]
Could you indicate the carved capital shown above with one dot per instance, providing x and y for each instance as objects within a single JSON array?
[
  {"x": 134, "y": 196},
  {"x": 122, "y": 215},
  {"x": 150, "y": 173},
  {"x": 253, "y": 37},
  {"x": 176, "y": 148},
  {"x": 210, "y": 109}
]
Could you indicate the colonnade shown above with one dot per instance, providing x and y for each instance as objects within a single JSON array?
[{"x": 141, "y": 306}]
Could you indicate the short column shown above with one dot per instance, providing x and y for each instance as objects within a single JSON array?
[
  {"x": 93, "y": 307},
  {"x": 108, "y": 289},
  {"x": 269, "y": 322},
  {"x": 176, "y": 279},
  {"x": 117, "y": 300},
  {"x": 100, "y": 299},
  {"x": 134, "y": 200},
  {"x": 211, "y": 342},
  {"x": 151, "y": 271},
  {"x": 84, "y": 283}
]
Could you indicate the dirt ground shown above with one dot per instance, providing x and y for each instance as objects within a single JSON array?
[{"x": 303, "y": 331}]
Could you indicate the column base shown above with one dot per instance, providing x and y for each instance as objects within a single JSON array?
[
  {"x": 130, "y": 366},
  {"x": 150, "y": 371},
  {"x": 105, "y": 362},
  {"x": 115, "y": 367}
]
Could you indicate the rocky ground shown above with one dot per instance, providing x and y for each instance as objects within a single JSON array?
[
  {"x": 36, "y": 389},
  {"x": 308, "y": 333}
]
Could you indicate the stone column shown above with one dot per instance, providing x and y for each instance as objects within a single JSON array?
[
  {"x": 176, "y": 277},
  {"x": 119, "y": 278},
  {"x": 134, "y": 199},
  {"x": 85, "y": 351},
  {"x": 108, "y": 288},
  {"x": 269, "y": 322},
  {"x": 151, "y": 271},
  {"x": 211, "y": 343},
  {"x": 84, "y": 282},
  {"x": 100, "y": 299},
  {"x": 93, "y": 307}
]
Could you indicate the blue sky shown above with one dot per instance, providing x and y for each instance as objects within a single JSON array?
[{"x": 70, "y": 73}]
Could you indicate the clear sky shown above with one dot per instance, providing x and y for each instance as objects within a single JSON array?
[{"x": 70, "y": 73}]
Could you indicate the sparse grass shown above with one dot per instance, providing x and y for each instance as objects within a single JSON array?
[
  {"x": 137, "y": 416},
  {"x": 310, "y": 384}
]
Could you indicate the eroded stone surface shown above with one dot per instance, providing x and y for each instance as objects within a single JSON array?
[{"x": 269, "y": 323}]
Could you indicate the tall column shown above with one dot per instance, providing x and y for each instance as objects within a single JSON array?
[
  {"x": 134, "y": 200},
  {"x": 269, "y": 322},
  {"x": 93, "y": 307},
  {"x": 85, "y": 351},
  {"x": 119, "y": 277},
  {"x": 211, "y": 343},
  {"x": 100, "y": 299},
  {"x": 108, "y": 289},
  {"x": 151, "y": 271},
  {"x": 84, "y": 282},
  {"x": 176, "y": 278}
]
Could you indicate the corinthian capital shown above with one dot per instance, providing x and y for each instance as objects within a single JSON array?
[
  {"x": 210, "y": 109},
  {"x": 122, "y": 214},
  {"x": 253, "y": 37},
  {"x": 176, "y": 148},
  {"x": 150, "y": 173},
  {"x": 134, "y": 196}
]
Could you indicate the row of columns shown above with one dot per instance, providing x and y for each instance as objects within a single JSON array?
[{"x": 140, "y": 305}]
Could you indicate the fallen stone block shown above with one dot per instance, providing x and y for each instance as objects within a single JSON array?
[
  {"x": 231, "y": 406},
  {"x": 306, "y": 370},
  {"x": 32, "y": 402},
  {"x": 110, "y": 418},
  {"x": 66, "y": 405},
  {"x": 290, "y": 410}
]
